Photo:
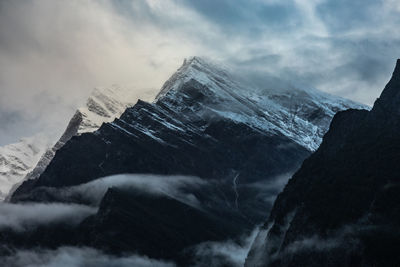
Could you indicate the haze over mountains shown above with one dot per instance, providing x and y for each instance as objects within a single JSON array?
[
  {"x": 236, "y": 146},
  {"x": 254, "y": 152}
]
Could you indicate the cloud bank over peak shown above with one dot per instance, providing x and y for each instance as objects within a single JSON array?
[{"x": 52, "y": 53}]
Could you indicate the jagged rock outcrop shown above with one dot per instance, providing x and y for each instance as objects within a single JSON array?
[
  {"x": 103, "y": 105},
  {"x": 341, "y": 208},
  {"x": 203, "y": 123}
]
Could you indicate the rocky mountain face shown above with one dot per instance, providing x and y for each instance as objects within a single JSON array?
[
  {"x": 341, "y": 208},
  {"x": 34, "y": 154},
  {"x": 241, "y": 143}
]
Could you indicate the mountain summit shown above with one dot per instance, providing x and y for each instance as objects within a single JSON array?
[
  {"x": 303, "y": 115},
  {"x": 238, "y": 143}
]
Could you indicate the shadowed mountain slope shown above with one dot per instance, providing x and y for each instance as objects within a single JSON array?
[{"x": 341, "y": 208}]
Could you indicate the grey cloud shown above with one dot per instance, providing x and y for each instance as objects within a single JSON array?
[
  {"x": 258, "y": 247},
  {"x": 266, "y": 247},
  {"x": 157, "y": 185},
  {"x": 340, "y": 15},
  {"x": 314, "y": 243},
  {"x": 57, "y": 51},
  {"x": 268, "y": 190},
  {"x": 22, "y": 217},
  {"x": 339, "y": 239},
  {"x": 77, "y": 257},
  {"x": 250, "y": 18},
  {"x": 225, "y": 253},
  {"x": 53, "y": 53},
  {"x": 12, "y": 122}
]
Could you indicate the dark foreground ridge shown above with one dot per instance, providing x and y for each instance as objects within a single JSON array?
[{"x": 342, "y": 208}]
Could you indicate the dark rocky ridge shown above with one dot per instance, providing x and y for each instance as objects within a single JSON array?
[
  {"x": 184, "y": 132},
  {"x": 177, "y": 134},
  {"x": 216, "y": 150},
  {"x": 341, "y": 208}
]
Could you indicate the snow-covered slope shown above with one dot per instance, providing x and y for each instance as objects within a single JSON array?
[
  {"x": 242, "y": 142},
  {"x": 103, "y": 105},
  {"x": 301, "y": 114},
  {"x": 30, "y": 157},
  {"x": 17, "y": 159}
]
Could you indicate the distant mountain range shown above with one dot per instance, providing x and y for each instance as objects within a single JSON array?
[
  {"x": 28, "y": 158},
  {"x": 202, "y": 163}
]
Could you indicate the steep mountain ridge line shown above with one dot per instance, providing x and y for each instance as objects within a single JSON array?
[
  {"x": 103, "y": 105},
  {"x": 288, "y": 112},
  {"x": 346, "y": 192},
  {"x": 196, "y": 129}
]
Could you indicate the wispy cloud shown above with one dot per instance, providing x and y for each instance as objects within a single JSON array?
[
  {"x": 225, "y": 253},
  {"x": 174, "y": 186},
  {"x": 26, "y": 216},
  {"x": 77, "y": 257}
]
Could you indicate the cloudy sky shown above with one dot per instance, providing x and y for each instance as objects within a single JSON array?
[{"x": 53, "y": 52}]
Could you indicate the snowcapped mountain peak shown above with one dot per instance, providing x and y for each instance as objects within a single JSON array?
[
  {"x": 203, "y": 71},
  {"x": 103, "y": 105},
  {"x": 30, "y": 157},
  {"x": 207, "y": 88},
  {"x": 207, "y": 91},
  {"x": 204, "y": 65}
]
